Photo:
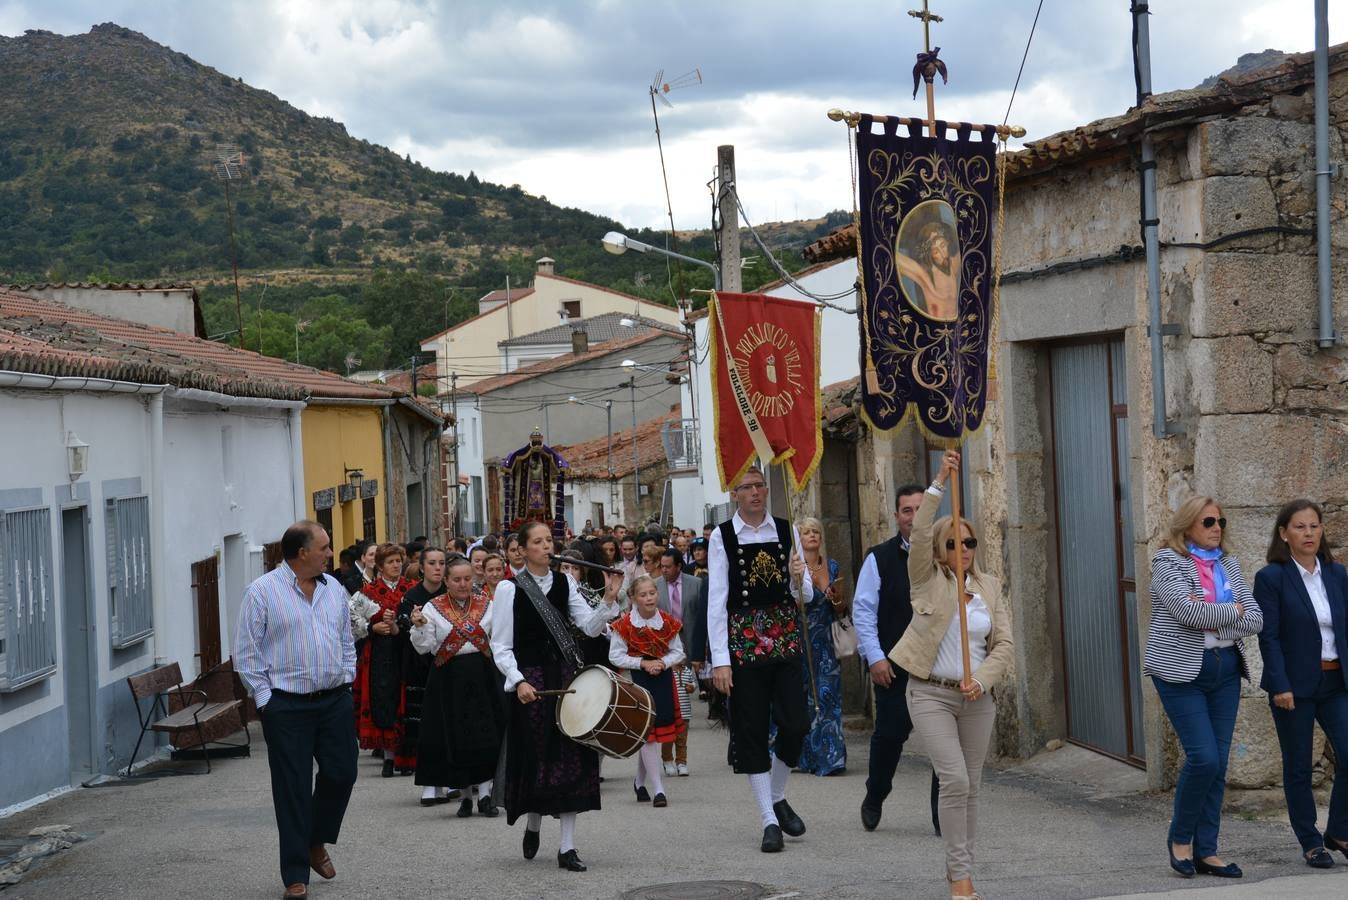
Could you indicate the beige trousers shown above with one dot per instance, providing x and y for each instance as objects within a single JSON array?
[{"x": 955, "y": 735}]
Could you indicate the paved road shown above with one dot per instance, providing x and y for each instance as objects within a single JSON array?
[{"x": 213, "y": 837}]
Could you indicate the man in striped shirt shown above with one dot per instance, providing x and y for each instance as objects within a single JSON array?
[{"x": 294, "y": 651}]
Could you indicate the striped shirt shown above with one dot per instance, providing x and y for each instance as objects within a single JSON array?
[
  {"x": 1180, "y": 619},
  {"x": 287, "y": 642}
]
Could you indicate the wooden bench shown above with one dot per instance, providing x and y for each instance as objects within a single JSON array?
[{"x": 187, "y": 714}]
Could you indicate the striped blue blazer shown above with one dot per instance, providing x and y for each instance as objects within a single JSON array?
[{"x": 1179, "y": 617}]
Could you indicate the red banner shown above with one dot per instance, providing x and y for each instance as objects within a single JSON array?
[{"x": 765, "y": 385}]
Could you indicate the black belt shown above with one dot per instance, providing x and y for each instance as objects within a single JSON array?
[{"x": 315, "y": 695}]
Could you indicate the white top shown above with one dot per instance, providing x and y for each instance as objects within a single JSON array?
[
  {"x": 1315, "y": 586},
  {"x": 428, "y": 638},
  {"x": 949, "y": 661},
  {"x": 587, "y": 619},
  {"x": 718, "y": 579},
  {"x": 617, "y": 647}
]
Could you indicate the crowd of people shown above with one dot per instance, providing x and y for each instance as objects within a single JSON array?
[{"x": 449, "y": 664}]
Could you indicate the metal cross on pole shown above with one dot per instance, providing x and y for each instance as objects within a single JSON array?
[{"x": 928, "y": 66}]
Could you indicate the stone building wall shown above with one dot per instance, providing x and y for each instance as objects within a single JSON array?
[{"x": 1262, "y": 412}]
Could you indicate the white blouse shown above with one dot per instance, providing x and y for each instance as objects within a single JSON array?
[
  {"x": 428, "y": 638},
  {"x": 590, "y": 620},
  {"x": 949, "y": 660},
  {"x": 617, "y": 647}
]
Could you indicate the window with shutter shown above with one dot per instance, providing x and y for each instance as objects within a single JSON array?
[
  {"x": 27, "y": 598},
  {"x": 130, "y": 604}
]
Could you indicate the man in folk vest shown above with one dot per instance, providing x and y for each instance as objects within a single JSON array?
[
  {"x": 756, "y": 638},
  {"x": 881, "y": 611}
]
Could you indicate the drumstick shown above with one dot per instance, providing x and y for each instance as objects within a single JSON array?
[
  {"x": 556, "y": 693},
  {"x": 572, "y": 561}
]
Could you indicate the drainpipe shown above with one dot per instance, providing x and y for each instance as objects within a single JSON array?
[
  {"x": 1323, "y": 173},
  {"x": 1150, "y": 222},
  {"x": 158, "y": 562},
  {"x": 297, "y": 464}
]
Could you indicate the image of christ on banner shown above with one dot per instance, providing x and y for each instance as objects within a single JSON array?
[{"x": 926, "y": 216}]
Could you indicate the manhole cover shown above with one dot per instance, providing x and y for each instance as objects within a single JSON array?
[{"x": 698, "y": 890}]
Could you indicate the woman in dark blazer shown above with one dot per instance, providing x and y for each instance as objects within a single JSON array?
[
  {"x": 1303, "y": 594},
  {"x": 1201, "y": 609}
]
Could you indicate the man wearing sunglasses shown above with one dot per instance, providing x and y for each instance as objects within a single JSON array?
[{"x": 756, "y": 638}]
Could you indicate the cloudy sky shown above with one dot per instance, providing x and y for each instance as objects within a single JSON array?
[{"x": 553, "y": 94}]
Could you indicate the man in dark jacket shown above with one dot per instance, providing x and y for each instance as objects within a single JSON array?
[{"x": 881, "y": 611}]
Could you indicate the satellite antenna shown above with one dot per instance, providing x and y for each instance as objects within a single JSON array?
[
  {"x": 660, "y": 88},
  {"x": 229, "y": 168},
  {"x": 352, "y": 361}
]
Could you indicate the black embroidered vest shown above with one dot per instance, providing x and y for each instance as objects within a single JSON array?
[{"x": 761, "y": 615}]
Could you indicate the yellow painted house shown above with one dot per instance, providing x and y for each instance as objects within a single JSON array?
[{"x": 343, "y": 450}]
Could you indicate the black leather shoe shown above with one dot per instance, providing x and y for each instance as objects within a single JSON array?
[
  {"x": 772, "y": 839},
  {"x": 530, "y": 844},
  {"x": 1336, "y": 844},
  {"x": 870, "y": 815},
  {"x": 643, "y": 795},
  {"x": 1184, "y": 867},
  {"x": 388, "y": 768},
  {"x": 487, "y": 806},
  {"x": 786, "y": 816},
  {"x": 660, "y": 801},
  {"x": 427, "y": 801},
  {"x": 1319, "y": 858},
  {"x": 1230, "y": 870},
  {"x": 465, "y": 808},
  {"x": 570, "y": 861}
]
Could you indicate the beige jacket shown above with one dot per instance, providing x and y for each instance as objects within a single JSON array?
[{"x": 933, "y": 593}]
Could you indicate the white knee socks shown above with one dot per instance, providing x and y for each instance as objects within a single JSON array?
[
  {"x": 779, "y": 772},
  {"x": 761, "y": 784},
  {"x": 484, "y": 789},
  {"x": 650, "y": 762},
  {"x": 568, "y": 840},
  {"x": 534, "y": 822}
]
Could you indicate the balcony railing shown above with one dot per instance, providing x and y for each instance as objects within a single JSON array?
[{"x": 683, "y": 449}]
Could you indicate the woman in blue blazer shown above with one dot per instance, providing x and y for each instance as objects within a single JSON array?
[{"x": 1303, "y": 594}]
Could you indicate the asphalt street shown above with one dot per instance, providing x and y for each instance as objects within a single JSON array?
[{"x": 1040, "y": 837}]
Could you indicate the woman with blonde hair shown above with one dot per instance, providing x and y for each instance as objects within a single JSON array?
[
  {"x": 1201, "y": 608},
  {"x": 825, "y": 750},
  {"x": 950, "y": 709}
]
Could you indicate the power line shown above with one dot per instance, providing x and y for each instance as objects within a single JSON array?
[
  {"x": 824, "y": 299},
  {"x": 1023, "y": 57}
]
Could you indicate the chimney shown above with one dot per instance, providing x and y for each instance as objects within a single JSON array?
[
  {"x": 580, "y": 341},
  {"x": 546, "y": 265}
]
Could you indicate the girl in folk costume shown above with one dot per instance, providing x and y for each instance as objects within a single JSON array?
[
  {"x": 546, "y": 773},
  {"x": 493, "y": 573},
  {"x": 646, "y": 642},
  {"x": 463, "y": 721},
  {"x": 417, "y": 666},
  {"x": 378, "y": 689}
]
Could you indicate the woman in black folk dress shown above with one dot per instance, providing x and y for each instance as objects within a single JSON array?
[
  {"x": 462, "y": 722},
  {"x": 546, "y": 773}
]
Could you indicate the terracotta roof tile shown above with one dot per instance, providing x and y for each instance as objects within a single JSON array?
[
  {"x": 589, "y": 459},
  {"x": 43, "y": 337}
]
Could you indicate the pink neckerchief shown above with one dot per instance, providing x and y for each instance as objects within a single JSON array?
[{"x": 1206, "y": 579}]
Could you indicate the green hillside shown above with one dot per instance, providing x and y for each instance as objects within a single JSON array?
[{"x": 109, "y": 144}]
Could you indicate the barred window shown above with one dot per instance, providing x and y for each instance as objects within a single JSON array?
[
  {"x": 130, "y": 606},
  {"x": 27, "y": 598}
]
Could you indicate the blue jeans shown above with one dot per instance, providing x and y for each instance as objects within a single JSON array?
[
  {"x": 1296, "y": 732},
  {"x": 1203, "y": 712}
]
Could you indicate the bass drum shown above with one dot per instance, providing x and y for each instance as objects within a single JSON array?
[{"x": 606, "y": 713}]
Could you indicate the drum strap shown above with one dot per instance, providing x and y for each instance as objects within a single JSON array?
[{"x": 552, "y": 619}]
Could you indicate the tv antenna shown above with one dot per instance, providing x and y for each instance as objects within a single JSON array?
[
  {"x": 661, "y": 88},
  {"x": 229, "y": 168}
]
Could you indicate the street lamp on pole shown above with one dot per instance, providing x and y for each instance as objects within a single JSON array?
[
  {"x": 608, "y": 411},
  {"x": 617, "y": 243}
]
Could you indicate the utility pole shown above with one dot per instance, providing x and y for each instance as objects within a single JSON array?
[
  {"x": 454, "y": 484},
  {"x": 728, "y": 208}
]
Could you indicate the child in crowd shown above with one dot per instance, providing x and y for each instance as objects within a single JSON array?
[{"x": 646, "y": 642}]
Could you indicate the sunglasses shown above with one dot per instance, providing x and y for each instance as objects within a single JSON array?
[
  {"x": 1209, "y": 521},
  {"x": 969, "y": 544}
]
